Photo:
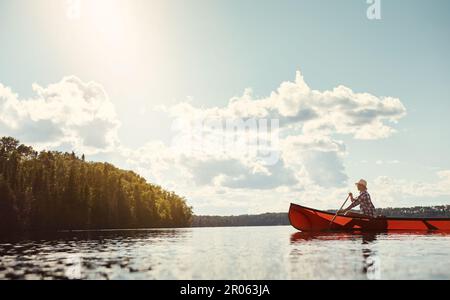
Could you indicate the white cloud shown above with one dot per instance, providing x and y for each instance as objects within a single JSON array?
[
  {"x": 362, "y": 115},
  {"x": 69, "y": 112},
  {"x": 310, "y": 168},
  {"x": 308, "y": 119},
  {"x": 309, "y": 165},
  {"x": 391, "y": 190},
  {"x": 318, "y": 159}
]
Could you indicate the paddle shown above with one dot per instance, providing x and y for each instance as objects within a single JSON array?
[{"x": 335, "y": 216}]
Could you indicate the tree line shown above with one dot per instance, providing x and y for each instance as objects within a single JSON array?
[
  {"x": 441, "y": 211},
  {"x": 278, "y": 219},
  {"x": 268, "y": 219},
  {"x": 51, "y": 190}
]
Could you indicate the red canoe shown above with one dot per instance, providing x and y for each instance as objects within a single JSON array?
[{"x": 309, "y": 219}]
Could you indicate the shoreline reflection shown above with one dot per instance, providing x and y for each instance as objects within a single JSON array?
[{"x": 363, "y": 242}]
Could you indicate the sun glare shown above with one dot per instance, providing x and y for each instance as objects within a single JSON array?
[
  {"x": 108, "y": 18},
  {"x": 110, "y": 32},
  {"x": 122, "y": 38}
]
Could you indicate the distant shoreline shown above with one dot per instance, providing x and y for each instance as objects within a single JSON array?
[{"x": 281, "y": 219}]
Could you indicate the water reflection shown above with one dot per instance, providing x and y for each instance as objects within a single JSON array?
[
  {"x": 370, "y": 262},
  {"x": 373, "y": 255},
  {"x": 83, "y": 254},
  {"x": 241, "y": 253}
]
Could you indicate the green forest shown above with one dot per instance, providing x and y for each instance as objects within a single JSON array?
[{"x": 51, "y": 190}]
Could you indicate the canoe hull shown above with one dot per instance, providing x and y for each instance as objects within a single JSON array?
[{"x": 313, "y": 220}]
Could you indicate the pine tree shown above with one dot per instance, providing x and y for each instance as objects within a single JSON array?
[{"x": 54, "y": 191}]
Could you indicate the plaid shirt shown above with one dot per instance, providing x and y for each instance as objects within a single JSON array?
[{"x": 365, "y": 202}]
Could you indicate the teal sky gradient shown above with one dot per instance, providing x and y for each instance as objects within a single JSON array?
[{"x": 213, "y": 50}]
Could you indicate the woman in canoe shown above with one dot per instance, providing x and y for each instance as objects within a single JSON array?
[{"x": 363, "y": 200}]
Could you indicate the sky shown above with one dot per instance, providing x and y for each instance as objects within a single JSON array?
[{"x": 346, "y": 96}]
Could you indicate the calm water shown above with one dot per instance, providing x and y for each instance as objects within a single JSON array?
[{"x": 226, "y": 253}]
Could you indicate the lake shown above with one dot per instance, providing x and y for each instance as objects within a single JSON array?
[{"x": 225, "y": 253}]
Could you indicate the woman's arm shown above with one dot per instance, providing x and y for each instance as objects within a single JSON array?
[{"x": 355, "y": 202}]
